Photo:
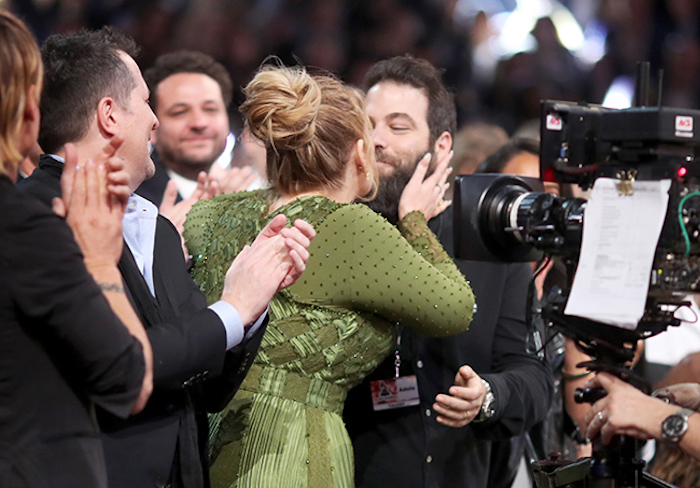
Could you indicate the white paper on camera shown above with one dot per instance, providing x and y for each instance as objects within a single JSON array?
[{"x": 620, "y": 234}]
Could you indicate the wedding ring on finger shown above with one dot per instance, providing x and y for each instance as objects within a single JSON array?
[{"x": 600, "y": 416}]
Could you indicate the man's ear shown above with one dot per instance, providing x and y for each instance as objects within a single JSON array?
[
  {"x": 108, "y": 117},
  {"x": 31, "y": 117},
  {"x": 31, "y": 110},
  {"x": 443, "y": 145}
]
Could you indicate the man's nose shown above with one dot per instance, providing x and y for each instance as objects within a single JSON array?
[
  {"x": 156, "y": 122},
  {"x": 378, "y": 137},
  {"x": 198, "y": 119}
]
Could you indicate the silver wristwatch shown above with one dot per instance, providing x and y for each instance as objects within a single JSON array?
[
  {"x": 675, "y": 425},
  {"x": 487, "y": 407}
]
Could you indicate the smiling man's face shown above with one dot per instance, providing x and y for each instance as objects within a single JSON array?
[
  {"x": 193, "y": 122},
  {"x": 399, "y": 116},
  {"x": 136, "y": 123}
]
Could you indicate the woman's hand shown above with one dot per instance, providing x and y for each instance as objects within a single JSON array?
[{"x": 425, "y": 194}]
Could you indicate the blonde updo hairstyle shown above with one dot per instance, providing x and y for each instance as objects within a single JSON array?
[
  {"x": 309, "y": 125},
  {"x": 20, "y": 69}
]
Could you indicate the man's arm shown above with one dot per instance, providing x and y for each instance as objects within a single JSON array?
[
  {"x": 191, "y": 347},
  {"x": 465, "y": 400},
  {"x": 627, "y": 411},
  {"x": 176, "y": 212},
  {"x": 520, "y": 382},
  {"x": 93, "y": 203}
]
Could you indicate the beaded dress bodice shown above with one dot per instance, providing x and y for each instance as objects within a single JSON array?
[{"x": 326, "y": 332}]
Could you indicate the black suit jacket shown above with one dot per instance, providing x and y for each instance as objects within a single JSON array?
[
  {"x": 407, "y": 447},
  {"x": 153, "y": 188},
  {"x": 166, "y": 442},
  {"x": 62, "y": 350}
]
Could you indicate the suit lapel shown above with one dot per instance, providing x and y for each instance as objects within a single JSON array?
[
  {"x": 135, "y": 286},
  {"x": 137, "y": 290},
  {"x": 162, "y": 277}
]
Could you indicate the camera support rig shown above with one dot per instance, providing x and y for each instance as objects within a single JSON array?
[{"x": 612, "y": 350}]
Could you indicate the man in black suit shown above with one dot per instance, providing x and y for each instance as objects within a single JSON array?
[
  {"x": 62, "y": 348},
  {"x": 475, "y": 387},
  {"x": 190, "y": 95},
  {"x": 94, "y": 92}
]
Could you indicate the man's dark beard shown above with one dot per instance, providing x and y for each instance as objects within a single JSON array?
[{"x": 390, "y": 189}]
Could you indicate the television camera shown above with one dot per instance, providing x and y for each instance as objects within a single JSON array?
[{"x": 510, "y": 218}]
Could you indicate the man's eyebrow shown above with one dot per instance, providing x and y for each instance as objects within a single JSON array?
[
  {"x": 401, "y": 116},
  {"x": 188, "y": 104}
]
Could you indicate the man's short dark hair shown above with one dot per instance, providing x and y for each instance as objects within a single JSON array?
[
  {"x": 419, "y": 73},
  {"x": 81, "y": 68},
  {"x": 498, "y": 160},
  {"x": 188, "y": 62}
]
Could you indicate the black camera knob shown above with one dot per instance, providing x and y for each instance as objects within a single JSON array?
[{"x": 589, "y": 395}]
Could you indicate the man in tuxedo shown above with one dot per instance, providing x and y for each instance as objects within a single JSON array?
[
  {"x": 475, "y": 387},
  {"x": 94, "y": 92}
]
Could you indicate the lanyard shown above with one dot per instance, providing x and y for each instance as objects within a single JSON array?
[{"x": 397, "y": 353}]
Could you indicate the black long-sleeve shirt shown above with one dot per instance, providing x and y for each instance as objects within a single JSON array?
[{"x": 407, "y": 447}]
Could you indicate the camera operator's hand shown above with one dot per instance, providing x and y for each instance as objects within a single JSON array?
[
  {"x": 624, "y": 411},
  {"x": 463, "y": 404}
]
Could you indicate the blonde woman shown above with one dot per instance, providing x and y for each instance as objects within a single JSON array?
[
  {"x": 330, "y": 329},
  {"x": 62, "y": 349}
]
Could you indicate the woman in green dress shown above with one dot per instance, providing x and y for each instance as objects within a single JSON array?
[{"x": 330, "y": 329}]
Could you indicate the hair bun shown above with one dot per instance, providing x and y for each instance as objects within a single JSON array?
[{"x": 281, "y": 107}]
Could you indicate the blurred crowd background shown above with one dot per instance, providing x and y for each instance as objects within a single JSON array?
[{"x": 500, "y": 56}]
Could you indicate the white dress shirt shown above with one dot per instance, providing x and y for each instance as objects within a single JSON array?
[{"x": 139, "y": 230}]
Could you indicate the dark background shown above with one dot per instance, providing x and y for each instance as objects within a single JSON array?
[{"x": 460, "y": 36}]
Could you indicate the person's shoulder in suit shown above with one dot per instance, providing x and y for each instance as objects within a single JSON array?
[{"x": 45, "y": 182}]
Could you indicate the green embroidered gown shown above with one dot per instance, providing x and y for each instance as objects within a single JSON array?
[{"x": 326, "y": 332}]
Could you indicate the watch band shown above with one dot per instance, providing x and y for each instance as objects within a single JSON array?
[
  {"x": 487, "y": 407},
  {"x": 675, "y": 425}
]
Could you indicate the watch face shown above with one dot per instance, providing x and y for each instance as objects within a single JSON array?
[{"x": 674, "y": 426}]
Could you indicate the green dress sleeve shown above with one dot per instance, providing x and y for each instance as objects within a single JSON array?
[{"x": 360, "y": 261}]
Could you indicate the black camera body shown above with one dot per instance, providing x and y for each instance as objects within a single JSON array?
[{"x": 509, "y": 218}]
